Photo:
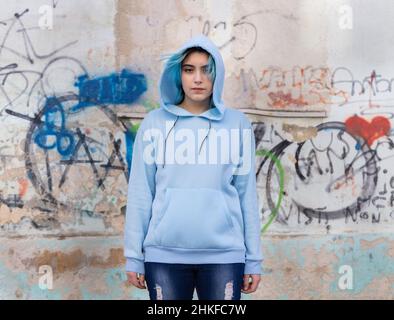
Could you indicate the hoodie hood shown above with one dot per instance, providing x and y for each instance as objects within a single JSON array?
[{"x": 168, "y": 92}]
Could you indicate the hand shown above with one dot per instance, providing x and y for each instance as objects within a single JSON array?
[
  {"x": 251, "y": 282},
  {"x": 136, "y": 279}
]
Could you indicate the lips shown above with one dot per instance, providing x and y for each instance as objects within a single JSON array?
[{"x": 198, "y": 89}]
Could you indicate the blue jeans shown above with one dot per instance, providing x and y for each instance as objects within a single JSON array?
[{"x": 174, "y": 281}]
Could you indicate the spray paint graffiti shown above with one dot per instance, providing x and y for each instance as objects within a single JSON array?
[
  {"x": 63, "y": 139},
  {"x": 274, "y": 213},
  {"x": 43, "y": 179},
  {"x": 369, "y": 131},
  {"x": 296, "y": 88},
  {"x": 114, "y": 89},
  {"x": 15, "y": 72},
  {"x": 372, "y": 84},
  {"x": 243, "y": 32},
  {"x": 343, "y": 172},
  {"x": 313, "y": 88},
  {"x": 125, "y": 87}
]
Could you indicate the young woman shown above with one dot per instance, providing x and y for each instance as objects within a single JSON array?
[{"x": 192, "y": 210}]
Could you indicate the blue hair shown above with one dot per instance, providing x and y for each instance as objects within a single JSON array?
[{"x": 174, "y": 68}]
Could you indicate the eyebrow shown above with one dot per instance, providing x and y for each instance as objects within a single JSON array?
[{"x": 190, "y": 65}]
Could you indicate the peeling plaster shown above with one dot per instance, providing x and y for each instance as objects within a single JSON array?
[{"x": 298, "y": 133}]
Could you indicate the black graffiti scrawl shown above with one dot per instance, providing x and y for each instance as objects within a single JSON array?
[{"x": 62, "y": 137}]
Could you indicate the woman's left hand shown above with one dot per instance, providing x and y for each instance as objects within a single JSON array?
[{"x": 251, "y": 282}]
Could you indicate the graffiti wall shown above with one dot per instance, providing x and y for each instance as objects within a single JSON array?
[
  {"x": 64, "y": 149},
  {"x": 337, "y": 169},
  {"x": 315, "y": 79},
  {"x": 65, "y": 152}
]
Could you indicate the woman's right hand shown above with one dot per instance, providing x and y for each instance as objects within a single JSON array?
[{"x": 136, "y": 279}]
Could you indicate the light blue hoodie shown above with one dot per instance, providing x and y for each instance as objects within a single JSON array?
[{"x": 192, "y": 212}]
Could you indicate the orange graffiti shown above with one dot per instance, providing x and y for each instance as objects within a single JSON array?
[{"x": 23, "y": 184}]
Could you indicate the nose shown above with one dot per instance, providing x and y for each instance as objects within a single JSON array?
[{"x": 197, "y": 77}]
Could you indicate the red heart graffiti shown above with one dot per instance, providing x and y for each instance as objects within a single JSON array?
[{"x": 369, "y": 131}]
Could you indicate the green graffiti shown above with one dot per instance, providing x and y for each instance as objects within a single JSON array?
[
  {"x": 274, "y": 213},
  {"x": 134, "y": 128},
  {"x": 150, "y": 105}
]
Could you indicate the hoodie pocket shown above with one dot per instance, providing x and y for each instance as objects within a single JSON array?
[{"x": 195, "y": 218}]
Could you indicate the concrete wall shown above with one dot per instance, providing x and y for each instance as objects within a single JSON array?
[{"x": 319, "y": 97}]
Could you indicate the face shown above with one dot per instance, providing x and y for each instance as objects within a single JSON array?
[{"x": 195, "y": 79}]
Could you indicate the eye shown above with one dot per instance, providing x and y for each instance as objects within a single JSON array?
[
  {"x": 205, "y": 69},
  {"x": 187, "y": 70}
]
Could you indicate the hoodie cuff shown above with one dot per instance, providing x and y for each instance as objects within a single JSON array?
[
  {"x": 253, "y": 267},
  {"x": 135, "y": 265}
]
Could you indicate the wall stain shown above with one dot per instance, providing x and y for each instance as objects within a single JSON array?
[
  {"x": 71, "y": 261},
  {"x": 299, "y": 134}
]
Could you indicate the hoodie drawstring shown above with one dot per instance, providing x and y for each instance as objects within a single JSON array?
[
  {"x": 205, "y": 136},
  {"x": 165, "y": 141}
]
